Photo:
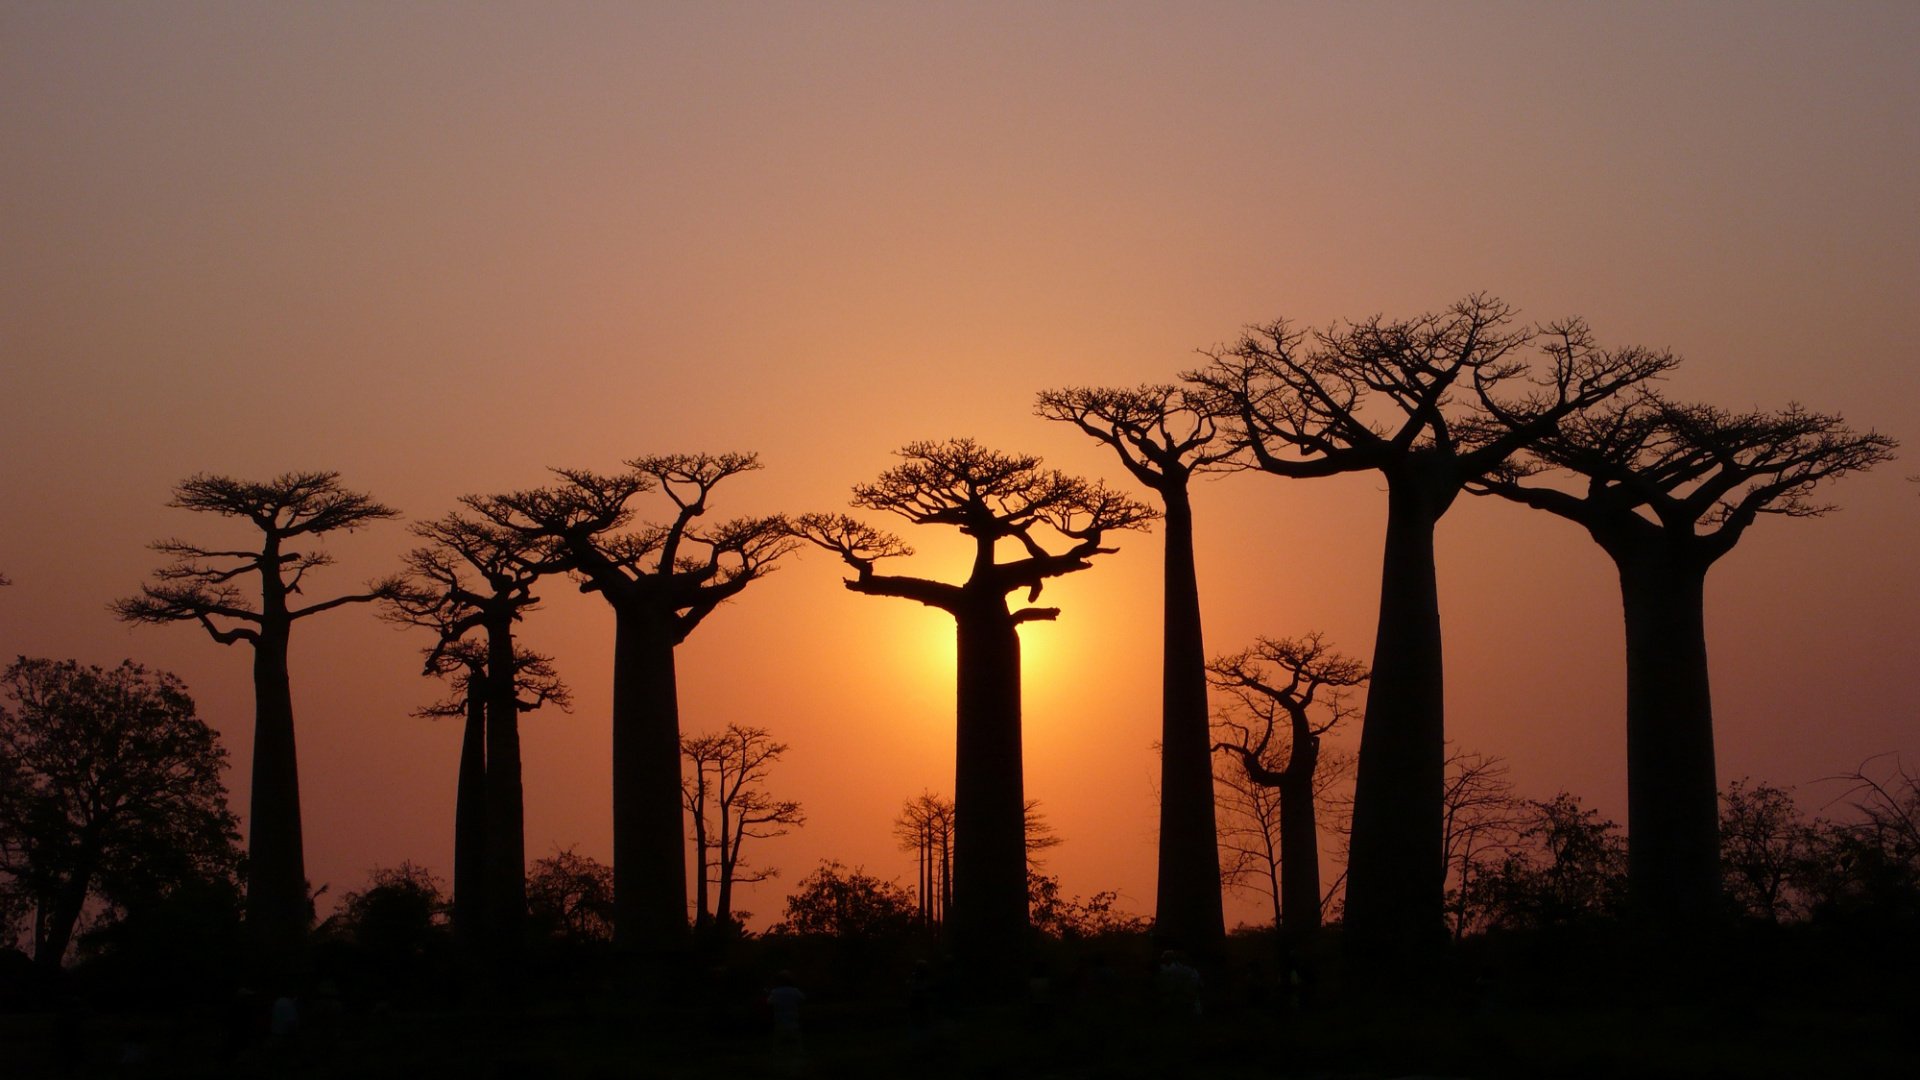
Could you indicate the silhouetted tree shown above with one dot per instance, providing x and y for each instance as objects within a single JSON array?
[
  {"x": 925, "y": 827},
  {"x": 1070, "y": 917},
  {"x": 1763, "y": 849},
  {"x": 660, "y": 580},
  {"x": 990, "y": 497},
  {"x": 1251, "y": 821},
  {"x": 479, "y": 576},
  {"x": 1868, "y": 869},
  {"x": 846, "y": 903},
  {"x": 1299, "y": 683},
  {"x": 1431, "y": 403},
  {"x": 1481, "y": 825},
  {"x": 397, "y": 911},
  {"x": 728, "y": 807},
  {"x": 199, "y": 586},
  {"x": 465, "y": 663},
  {"x": 1569, "y": 867},
  {"x": 1164, "y": 435},
  {"x": 1668, "y": 490},
  {"x": 571, "y": 896},
  {"x": 109, "y": 789}
]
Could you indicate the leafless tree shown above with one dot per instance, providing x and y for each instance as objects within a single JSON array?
[
  {"x": 201, "y": 586},
  {"x": 1165, "y": 435},
  {"x": 1666, "y": 490},
  {"x": 1481, "y": 824},
  {"x": 1289, "y": 692},
  {"x": 728, "y": 807},
  {"x": 990, "y": 497},
  {"x": 1431, "y": 403},
  {"x": 661, "y": 580},
  {"x": 925, "y": 827}
]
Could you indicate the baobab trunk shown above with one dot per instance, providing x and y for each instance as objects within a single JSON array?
[
  {"x": 1673, "y": 840},
  {"x": 989, "y": 916},
  {"x": 506, "y": 814},
  {"x": 1187, "y": 909},
  {"x": 470, "y": 818},
  {"x": 1299, "y": 841},
  {"x": 1394, "y": 901},
  {"x": 278, "y": 909},
  {"x": 649, "y": 848}
]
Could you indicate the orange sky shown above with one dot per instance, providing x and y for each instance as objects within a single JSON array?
[{"x": 441, "y": 248}]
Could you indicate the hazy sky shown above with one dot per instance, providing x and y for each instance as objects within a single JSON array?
[{"x": 441, "y": 247}]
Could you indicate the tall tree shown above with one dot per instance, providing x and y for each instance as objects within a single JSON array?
[
  {"x": 464, "y": 663},
  {"x": 1431, "y": 403},
  {"x": 475, "y": 575},
  {"x": 925, "y": 827},
  {"x": 1668, "y": 490},
  {"x": 1164, "y": 435},
  {"x": 199, "y": 586},
  {"x": 728, "y": 805},
  {"x": 990, "y": 497},
  {"x": 660, "y": 580},
  {"x": 109, "y": 788},
  {"x": 1292, "y": 688}
]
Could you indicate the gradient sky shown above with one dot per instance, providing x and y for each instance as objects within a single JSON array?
[{"x": 442, "y": 247}]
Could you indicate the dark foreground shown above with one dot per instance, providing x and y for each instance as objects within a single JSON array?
[{"x": 1766, "y": 1007}]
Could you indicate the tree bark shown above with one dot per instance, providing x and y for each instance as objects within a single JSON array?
[
  {"x": 1673, "y": 837},
  {"x": 1394, "y": 895},
  {"x": 1187, "y": 907},
  {"x": 470, "y": 819},
  {"x": 278, "y": 908},
  {"x": 989, "y": 915},
  {"x": 506, "y": 860},
  {"x": 649, "y": 845}
]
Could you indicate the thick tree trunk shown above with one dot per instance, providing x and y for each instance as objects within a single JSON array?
[
  {"x": 989, "y": 915},
  {"x": 1394, "y": 899},
  {"x": 506, "y": 860},
  {"x": 649, "y": 844},
  {"x": 1299, "y": 844},
  {"x": 470, "y": 819},
  {"x": 1673, "y": 838},
  {"x": 58, "y": 915},
  {"x": 1187, "y": 908},
  {"x": 278, "y": 909}
]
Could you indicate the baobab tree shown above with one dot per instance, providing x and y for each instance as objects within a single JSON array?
[
  {"x": 990, "y": 497},
  {"x": 728, "y": 806},
  {"x": 199, "y": 586},
  {"x": 1164, "y": 435},
  {"x": 1292, "y": 689},
  {"x": 1431, "y": 403},
  {"x": 925, "y": 827},
  {"x": 464, "y": 662},
  {"x": 661, "y": 580},
  {"x": 475, "y": 575},
  {"x": 1668, "y": 489}
]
